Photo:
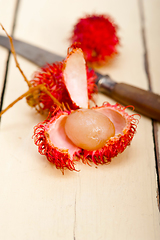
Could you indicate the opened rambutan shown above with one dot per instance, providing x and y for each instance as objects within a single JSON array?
[
  {"x": 98, "y": 37},
  {"x": 88, "y": 134},
  {"x": 52, "y": 77},
  {"x": 48, "y": 89}
]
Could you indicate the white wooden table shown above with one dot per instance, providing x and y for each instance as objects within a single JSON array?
[{"x": 112, "y": 202}]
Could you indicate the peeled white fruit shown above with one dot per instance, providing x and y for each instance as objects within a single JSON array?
[{"x": 89, "y": 129}]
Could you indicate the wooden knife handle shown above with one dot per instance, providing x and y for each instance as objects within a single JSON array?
[{"x": 145, "y": 102}]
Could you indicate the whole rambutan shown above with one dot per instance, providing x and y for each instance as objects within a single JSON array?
[
  {"x": 51, "y": 76},
  {"x": 48, "y": 89},
  {"x": 98, "y": 37},
  {"x": 94, "y": 134}
]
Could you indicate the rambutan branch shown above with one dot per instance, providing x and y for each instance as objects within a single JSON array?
[
  {"x": 14, "y": 102},
  {"x": 44, "y": 89},
  {"x": 31, "y": 90},
  {"x": 15, "y": 57}
]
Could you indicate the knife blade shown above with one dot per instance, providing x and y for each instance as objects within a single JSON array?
[{"x": 144, "y": 102}]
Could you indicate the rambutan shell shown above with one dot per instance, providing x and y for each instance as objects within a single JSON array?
[
  {"x": 75, "y": 78},
  {"x": 52, "y": 77},
  {"x": 52, "y": 141}
]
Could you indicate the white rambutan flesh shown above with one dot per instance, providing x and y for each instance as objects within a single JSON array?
[{"x": 89, "y": 129}]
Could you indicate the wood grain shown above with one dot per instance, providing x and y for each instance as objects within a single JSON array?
[
  {"x": 152, "y": 35},
  {"x": 7, "y": 14},
  {"x": 116, "y": 201}
]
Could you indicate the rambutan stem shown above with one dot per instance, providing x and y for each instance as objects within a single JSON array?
[
  {"x": 44, "y": 89},
  {"x": 32, "y": 89},
  {"x": 14, "y": 102},
  {"x": 15, "y": 57}
]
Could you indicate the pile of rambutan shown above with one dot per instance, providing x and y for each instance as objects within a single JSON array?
[
  {"x": 97, "y": 34},
  {"x": 75, "y": 131}
]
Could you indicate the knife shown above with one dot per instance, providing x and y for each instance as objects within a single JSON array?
[{"x": 144, "y": 102}]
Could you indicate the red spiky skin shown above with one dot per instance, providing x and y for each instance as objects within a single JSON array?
[
  {"x": 112, "y": 148},
  {"x": 51, "y": 76},
  {"x": 114, "y": 145},
  {"x": 98, "y": 37},
  {"x": 58, "y": 157}
]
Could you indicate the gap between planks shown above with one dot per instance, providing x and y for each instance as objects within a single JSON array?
[
  {"x": 149, "y": 80},
  {"x": 9, "y": 54}
]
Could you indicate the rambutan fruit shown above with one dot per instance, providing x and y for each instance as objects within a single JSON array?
[
  {"x": 69, "y": 134},
  {"x": 94, "y": 134},
  {"x": 97, "y": 34},
  {"x": 52, "y": 77},
  {"x": 64, "y": 145},
  {"x": 48, "y": 88}
]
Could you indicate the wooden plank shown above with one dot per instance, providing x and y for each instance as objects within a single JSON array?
[
  {"x": 152, "y": 32},
  {"x": 117, "y": 201},
  {"x": 7, "y": 10}
]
